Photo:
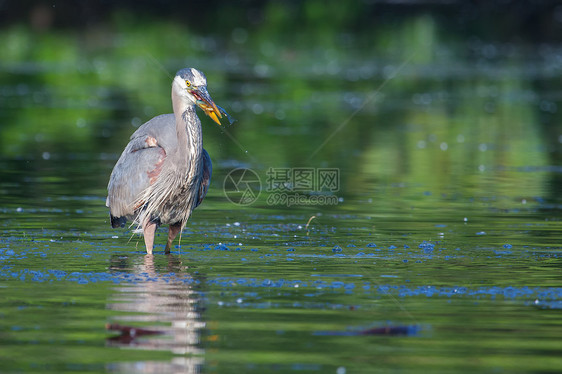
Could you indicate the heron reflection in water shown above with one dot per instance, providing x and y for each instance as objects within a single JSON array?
[
  {"x": 156, "y": 308},
  {"x": 164, "y": 172}
]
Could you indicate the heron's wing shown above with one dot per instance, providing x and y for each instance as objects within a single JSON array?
[
  {"x": 137, "y": 168},
  {"x": 206, "y": 177}
]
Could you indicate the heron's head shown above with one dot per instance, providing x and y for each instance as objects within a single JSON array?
[{"x": 191, "y": 85}]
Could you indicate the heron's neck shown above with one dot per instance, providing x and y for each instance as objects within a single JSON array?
[{"x": 190, "y": 140}]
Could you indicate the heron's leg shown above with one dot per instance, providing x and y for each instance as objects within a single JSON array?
[
  {"x": 149, "y": 229},
  {"x": 172, "y": 233}
]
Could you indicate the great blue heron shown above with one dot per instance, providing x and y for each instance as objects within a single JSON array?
[{"x": 164, "y": 172}]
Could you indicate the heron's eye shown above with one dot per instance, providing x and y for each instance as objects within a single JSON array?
[{"x": 187, "y": 83}]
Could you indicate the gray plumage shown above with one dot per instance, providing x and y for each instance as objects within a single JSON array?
[{"x": 164, "y": 172}]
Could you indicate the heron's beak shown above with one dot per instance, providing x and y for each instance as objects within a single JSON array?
[{"x": 205, "y": 102}]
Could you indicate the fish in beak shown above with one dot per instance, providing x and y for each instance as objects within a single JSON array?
[{"x": 205, "y": 102}]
